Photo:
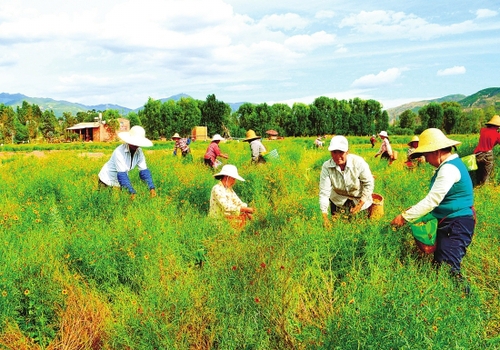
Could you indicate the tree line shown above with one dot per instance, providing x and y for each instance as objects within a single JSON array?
[{"x": 161, "y": 119}]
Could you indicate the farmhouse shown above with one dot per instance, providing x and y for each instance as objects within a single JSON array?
[{"x": 99, "y": 131}]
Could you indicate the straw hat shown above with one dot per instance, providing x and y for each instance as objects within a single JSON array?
[
  {"x": 495, "y": 120},
  {"x": 176, "y": 136},
  {"x": 136, "y": 136},
  {"x": 251, "y": 136},
  {"x": 383, "y": 134},
  {"x": 338, "y": 143},
  {"x": 229, "y": 170},
  {"x": 413, "y": 139},
  {"x": 432, "y": 140},
  {"x": 217, "y": 137}
]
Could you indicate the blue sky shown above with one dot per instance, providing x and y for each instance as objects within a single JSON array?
[{"x": 123, "y": 52}]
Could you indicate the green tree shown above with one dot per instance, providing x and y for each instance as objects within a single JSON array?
[
  {"x": 189, "y": 117},
  {"x": 7, "y": 127},
  {"x": 151, "y": 119},
  {"x": 433, "y": 114},
  {"x": 407, "y": 119},
  {"x": 451, "y": 115},
  {"x": 282, "y": 112},
  {"x": 134, "y": 119},
  {"x": 49, "y": 124},
  {"x": 214, "y": 114},
  {"x": 322, "y": 112}
]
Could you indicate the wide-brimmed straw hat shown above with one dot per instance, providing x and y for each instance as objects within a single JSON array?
[
  {"x": 217, "y": 137},
  {"x": 413, "y": 139},
  {"x": 229, "y": 170},
  {"x": 176, "y": 136},
  {"x": 431, "y": 140},
  {"x": 338, "y": 143},
  {"x": 251, "y": 136},
  {"x": 383, "y": 134},
  {"x": 136, "y": 136},
  {"x": 495, "y": 120}
]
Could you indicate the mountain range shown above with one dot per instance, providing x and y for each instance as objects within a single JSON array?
[{"x": 481, "y": 99}]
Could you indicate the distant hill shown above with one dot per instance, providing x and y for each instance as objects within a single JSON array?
[
  {"x": 415, "y": 106},
  {"x": 481, "y": 99}
]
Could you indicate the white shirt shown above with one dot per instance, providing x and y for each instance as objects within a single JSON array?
[
  {"x": 355, "y": 182},
  {"x": 447, "y": 176},
  {"x": 224, "y": 201},
  {"x": 257, "y": 148},
  {"x": 120, "y": 162}
]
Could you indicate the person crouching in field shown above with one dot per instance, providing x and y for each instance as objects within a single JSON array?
[
  {"x": 413, "y": 162},
  {"x": 181, "y": 144},
  {"x": 224, "y": 202},
  {"x": 346, "y": 182},
  {"x": 450, "y": 199},
  {"x": 385, "y": 150},
  {"x": 213, "y": 151},
  {"x": 125, "y": 158},
  {"x": 256, "y": 147},
  {"x": 488, "y": 138}
]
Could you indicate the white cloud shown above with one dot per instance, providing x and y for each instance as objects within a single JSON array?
[
  {"x": 375, "y": 80},
  {"x": 309, "y": 42},
  {"x": 483, "y": 13},
  {"x": 287, "y": 21},
  {"x": 451, "y": 71},
  {"x": 391, "y": 24},
  {"x": 324, "y": 14},
  {"x": 341, "y": 49}
]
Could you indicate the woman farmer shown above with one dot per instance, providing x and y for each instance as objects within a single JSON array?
[
  {"x": 450, "y": 199},
  {"x": 213, "y": 151},
  {"x": 256, "y": 147},
  {"x": 413, "y": 162},
  {"x": 182, "y": 144},
  {"x": 125, "y": 158},
  {"x": 488, "y": 138},
  {"x": 385, "y": 150},
  {"x": 224, "y": 202}
]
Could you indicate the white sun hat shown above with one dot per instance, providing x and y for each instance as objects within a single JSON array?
[
  {"x": 217, "y": 137},
  {"x": 136, "y": 136},
  {"x": 229, "y": 170},
  {"x": 338, "y": 143},
  {"x": 383, "y": 133}
]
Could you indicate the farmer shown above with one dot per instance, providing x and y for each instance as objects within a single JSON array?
[
  {"x": 224, "y": 202},
  {"x": 413, "y": 162},
  {"x": 488, "y": 138},
  {"x": 372, "y": 140},
  {"x": 213, "y": 151},
  {"x": 385, "y": 150},
  {"x": 319, "y": 142},
  {"x": 256, "y": 147},
  {"x": 125, "y": 158},
  {"x": 182, "y": 144},
  {"x": 345, "y": 183},
  {"x": 450, "y": 199}
]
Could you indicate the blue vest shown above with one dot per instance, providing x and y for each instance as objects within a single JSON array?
[{"x": 460, "y": 198}]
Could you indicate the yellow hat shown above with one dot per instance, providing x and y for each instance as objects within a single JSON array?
[
  {"x": 495, "y": 120},
  {"x": 176, "y": 136},
  {"x": 431, "y": 140},
  {"x": 251, "y": 136},
  {"x": 413, "y": 139}
]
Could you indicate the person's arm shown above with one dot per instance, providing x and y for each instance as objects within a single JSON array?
[{"x": 124, "y": 181}]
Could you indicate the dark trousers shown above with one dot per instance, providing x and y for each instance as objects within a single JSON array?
[
  {"x": 453, "y": 237},
  {"x": 345, "y": 209},
  {"x": 485, "y": 162}
]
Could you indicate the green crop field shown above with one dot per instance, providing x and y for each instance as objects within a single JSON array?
[{"x": 83, "y": 268}]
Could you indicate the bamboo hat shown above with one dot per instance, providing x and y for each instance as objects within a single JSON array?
[
  {"x": 176, "y": 136},
  {"x": 413, "y": 139},
  {"x": 495, "y": 120},
  {"x": 251, "y": 135},
  {"x": 217, "y": 137},
  {"x": 431, "y": 140},
  {"x": 229, "y": 170},
  {"x": 136, "y": 136}
]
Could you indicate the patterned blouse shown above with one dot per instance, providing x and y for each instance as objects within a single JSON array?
[{"x": 224, "y": 202}]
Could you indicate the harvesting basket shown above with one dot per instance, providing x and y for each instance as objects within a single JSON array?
[{"x": 377, "y": 207}]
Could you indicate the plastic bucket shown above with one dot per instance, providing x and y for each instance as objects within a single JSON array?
[{"x": 377, "y": 207}]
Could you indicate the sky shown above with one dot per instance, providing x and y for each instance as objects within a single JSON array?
[{"x": 123, "y": 52}]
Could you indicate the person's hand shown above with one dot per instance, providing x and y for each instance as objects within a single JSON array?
[
  {"x": 398, "y": 221},
  {"x": 376, "y": 155},
  {"x": 326, "y": 222},
  {"x": 152, "y": 193},
  {"x": 358, "y": 207},
  {"x": 132, "y": 196}
]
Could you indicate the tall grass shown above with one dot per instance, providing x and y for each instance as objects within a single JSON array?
[{"x": 84, "y": 268}]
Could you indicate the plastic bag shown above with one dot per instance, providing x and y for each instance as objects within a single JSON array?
[
  {"x": 470, "y": 162},
  {"x": 424, "y": 230}
]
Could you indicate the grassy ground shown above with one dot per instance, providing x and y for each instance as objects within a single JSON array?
[{"x": 89, "y": 269}]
